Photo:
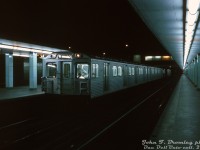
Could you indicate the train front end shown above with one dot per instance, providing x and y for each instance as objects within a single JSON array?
[{"x": 66, "y": 74}]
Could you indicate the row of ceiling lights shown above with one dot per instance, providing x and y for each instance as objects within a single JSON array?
[
  {"x": 192, "y": 14},
  {"x": 19, "y": 48}
]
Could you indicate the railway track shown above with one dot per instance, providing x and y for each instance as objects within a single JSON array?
[{"x": 85, "y": 128}]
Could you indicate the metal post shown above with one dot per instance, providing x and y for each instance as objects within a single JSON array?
[
  {"x": 9, "y": 70},
  {"x": 33, "y": 70}
]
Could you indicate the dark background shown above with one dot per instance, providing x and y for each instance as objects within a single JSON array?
[{"x": 88, "y": 26}]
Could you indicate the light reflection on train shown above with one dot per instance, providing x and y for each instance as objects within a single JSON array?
[{"x": 78, "y": 74}]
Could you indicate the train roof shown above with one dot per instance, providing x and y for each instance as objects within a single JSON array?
[{"x": 71, "y": 55}]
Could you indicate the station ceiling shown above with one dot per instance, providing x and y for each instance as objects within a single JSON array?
[{"x": 167, "y": 21}]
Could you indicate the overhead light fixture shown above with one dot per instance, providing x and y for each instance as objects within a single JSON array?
[
  {"x": 21, "y": 55},
  {"x": 192, "y": 14},
  {"x": 19, "y": 48},
  {"x": 193, "y": 6}
]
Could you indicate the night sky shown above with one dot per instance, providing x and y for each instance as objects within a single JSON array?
[{"x": 88, "y": 26}]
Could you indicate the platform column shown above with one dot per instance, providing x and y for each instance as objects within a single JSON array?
[
  {"x": 9, "y": 70},
  {"x": 33, "y": 70},
  {"x": 198, "y": 72}
]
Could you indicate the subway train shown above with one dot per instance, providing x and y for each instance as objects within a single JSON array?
[{"x": 68, "y": 73}]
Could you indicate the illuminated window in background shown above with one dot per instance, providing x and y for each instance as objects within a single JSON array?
[
  {"x": 158, "y": 58},
  {"x": 114, "y": 71},
  {"x": 166, "y": 57},
  {"x": 119, "y": 71},
  {"x": 148, "y": 58},
  {"x": 95, "y": 70},
  {"x": 51, "y": 68}
]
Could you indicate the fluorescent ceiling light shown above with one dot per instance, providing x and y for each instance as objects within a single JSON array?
[
  {"x": 189, "y": 28},
  {"x": 193, "y": 6},
  {"x": 21, "y": 55},
  {"x": 18, "y": 48},
  {"x": 191, "y": 18}
]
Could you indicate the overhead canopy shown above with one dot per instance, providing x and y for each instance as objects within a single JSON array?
[
  {"x": 23, "y": 48},
  {"x": 167, "y": 21}
]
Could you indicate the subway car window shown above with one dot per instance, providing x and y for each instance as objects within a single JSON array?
[
  {"x": 129, "y": 71},
  {"x": 119, "y": 71},
  {"x": 114, "y": 71},
  {"x": 95, "y": 70},
  {"x": 66, "y": 70},
  {"x": 51, "y": 69},
  {"x": 82, "y": 71},
  {"x": 139, "y": 69},
  {"x": 133, "y": 71}
]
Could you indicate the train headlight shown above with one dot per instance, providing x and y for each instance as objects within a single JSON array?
[{"x": 77, "y": 55}]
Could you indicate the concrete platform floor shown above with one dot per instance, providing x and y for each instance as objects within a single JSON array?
[
  {"x": 179, "y": 125},
  {"x": 20, "y": 91}
]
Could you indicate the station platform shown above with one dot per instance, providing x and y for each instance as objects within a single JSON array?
[
  {"x": 19, "y": 91},
  {"x": 179, "y": 124}
]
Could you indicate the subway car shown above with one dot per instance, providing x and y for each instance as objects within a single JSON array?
[{"x": 68, "y": 73}]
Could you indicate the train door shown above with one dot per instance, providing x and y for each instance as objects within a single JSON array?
[
  {"x": 136, "y": 74},
  {"x": 106, "y": 76},
  {"x": 66, "y": 79},
  {"x": 82, "y": 78},
  {"x": 149, "y": 73},
  {"x": 125, "y": 75},
  {"x": 50, "y": 77}
]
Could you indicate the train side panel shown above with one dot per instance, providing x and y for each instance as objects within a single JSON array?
[
  {"x": 97, "y": 80},
  {"x": 130, "y": 76},
  {"x": 116, "y": 80},
  {"x": 112, "y": 76}
]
